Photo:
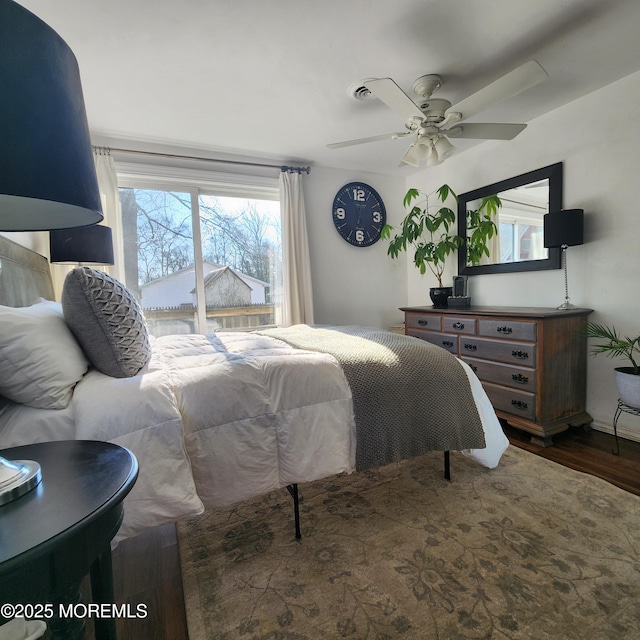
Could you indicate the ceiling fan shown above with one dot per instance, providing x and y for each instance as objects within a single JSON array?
[{"x": 434, "y": 120}]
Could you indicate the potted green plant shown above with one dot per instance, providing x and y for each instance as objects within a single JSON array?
[
  {"x": 481, "y": 228},
  {"x": 615, "y": 345},
  {"x": 426, "y": 228}
]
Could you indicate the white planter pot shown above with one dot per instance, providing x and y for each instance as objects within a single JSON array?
[{"x": 628, "y": 385}]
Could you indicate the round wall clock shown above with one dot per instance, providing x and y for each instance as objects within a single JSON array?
[{"x": 359, "y": 214}]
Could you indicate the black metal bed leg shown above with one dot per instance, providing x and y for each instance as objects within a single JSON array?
[
  {"x": 447, "y": 466},
  {"x": 293, "y": 490}
]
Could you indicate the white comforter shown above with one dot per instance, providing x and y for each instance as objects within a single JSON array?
[{"x": 217, "y": 419}]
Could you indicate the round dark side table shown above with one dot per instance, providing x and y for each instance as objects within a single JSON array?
[{"x": 51, "y": 537}]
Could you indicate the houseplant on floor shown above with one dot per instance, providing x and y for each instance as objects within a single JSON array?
[
  {"x": 427, "y": 227},
  {"x": 615, "y": 345}
]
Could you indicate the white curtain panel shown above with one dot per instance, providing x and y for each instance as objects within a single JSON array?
[
  {"x": 298, "y": 299},
  {"x": 108, "y": 185}
]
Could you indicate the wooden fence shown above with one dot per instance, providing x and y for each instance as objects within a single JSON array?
[{"x": 183, "y": 319}]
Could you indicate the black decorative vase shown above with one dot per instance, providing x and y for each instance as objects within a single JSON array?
[{"x": 439, "y": 296}]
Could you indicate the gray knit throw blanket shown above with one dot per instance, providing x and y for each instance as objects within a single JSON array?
[{"x": 409, "y": 396}]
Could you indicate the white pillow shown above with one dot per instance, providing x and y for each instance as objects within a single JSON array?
[{"x": 40, "y": 360}]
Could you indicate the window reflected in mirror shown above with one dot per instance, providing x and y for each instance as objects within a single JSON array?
[
  {"x": 520, "y": 225},
  {"x": 518, "y": 244}
]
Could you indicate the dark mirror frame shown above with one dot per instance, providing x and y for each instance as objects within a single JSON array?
[{"x": 554, "y": 174}]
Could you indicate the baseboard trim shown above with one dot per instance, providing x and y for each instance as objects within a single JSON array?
[{"x": 628, "y": 433}]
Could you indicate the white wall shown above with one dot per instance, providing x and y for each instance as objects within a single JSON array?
[
  {"x": 37, "y": 241},
  {"x": 598, "y": 140},
  {"x": 353, "y": 285}
]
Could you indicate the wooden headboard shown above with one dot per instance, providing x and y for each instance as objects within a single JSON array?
[{"x": 24, "y": 275}]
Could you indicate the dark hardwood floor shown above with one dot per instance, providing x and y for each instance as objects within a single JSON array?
[{"x": 147, "y": 568}]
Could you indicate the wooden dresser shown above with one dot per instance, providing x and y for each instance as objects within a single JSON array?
[{"x": 532, "y": 361}]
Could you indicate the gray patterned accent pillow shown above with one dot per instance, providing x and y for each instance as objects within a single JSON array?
[{"x": 107, "y": 321}]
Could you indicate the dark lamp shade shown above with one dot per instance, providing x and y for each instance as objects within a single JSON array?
[
  {"x": 86, "y": 245},
  {"x": 563, "y": 228},
  {"x": 47, "y": 175}
]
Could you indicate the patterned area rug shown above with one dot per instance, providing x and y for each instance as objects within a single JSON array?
[{"x": 528, "y": 550}]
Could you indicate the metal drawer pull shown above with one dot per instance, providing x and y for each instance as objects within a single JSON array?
[
  {"x": 458, "y": 325},
  {"x": 519, "y": 404},
  {"x": 447, "y": 343},
  {"x": 504, "y": 330},
  {"x": 522, "y": 355},
  {"x": 470, "y": 347},
  {"x": 520, "y": 378},
  {"x": 473, "y": 368},
  {"x": 423, "y": 323}
]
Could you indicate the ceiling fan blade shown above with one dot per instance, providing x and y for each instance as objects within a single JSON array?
[
  {"x": 513, "y": 83},
  {"x": 384, "y": 136},
  {"x": 394, "y": 97},
  {"x": 486, "y": 131}
]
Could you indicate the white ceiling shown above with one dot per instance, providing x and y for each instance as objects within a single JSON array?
[{"x": 269, "y": 78}]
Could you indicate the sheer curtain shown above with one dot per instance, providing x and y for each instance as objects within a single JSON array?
[
  {"x": 298, "y": 299},
  {"x": 108, "y": 186}
]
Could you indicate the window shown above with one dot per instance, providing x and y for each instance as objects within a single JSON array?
[
  {"x": 520, "y": 239},
  {"x": 199, "y": 260}
]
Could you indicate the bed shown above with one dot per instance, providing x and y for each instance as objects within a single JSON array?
[{"x": 217, "y": 419}]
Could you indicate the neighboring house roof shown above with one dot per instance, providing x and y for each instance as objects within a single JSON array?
[
  {"x": 178, "y": 288},
  {"x": 250, "y": 279},
  {"x": 209, "y": 268},
  {"x": 213, "y": 275}
]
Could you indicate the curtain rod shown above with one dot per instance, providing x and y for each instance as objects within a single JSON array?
[{"x": 108, "y": 150}]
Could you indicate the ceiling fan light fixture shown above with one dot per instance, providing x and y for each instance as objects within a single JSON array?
[
  {"x": 413, "y": 155},
  {"x": 433, "y": 159},
  {"x": 443, "y": 147}
]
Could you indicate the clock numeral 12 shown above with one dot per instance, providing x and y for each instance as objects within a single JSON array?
[{"x": 358, "y": 195}]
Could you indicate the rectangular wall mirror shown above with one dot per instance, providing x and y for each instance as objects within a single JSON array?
[{"x": 518, "y": 245}]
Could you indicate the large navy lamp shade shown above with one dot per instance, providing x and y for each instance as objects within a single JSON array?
[{"x": 47, "y": 175}]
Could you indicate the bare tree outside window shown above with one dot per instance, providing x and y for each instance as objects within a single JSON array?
[{"x": 237, "y": 233}]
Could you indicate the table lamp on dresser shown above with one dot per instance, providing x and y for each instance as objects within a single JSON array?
[{"x": 564, "y": 229}]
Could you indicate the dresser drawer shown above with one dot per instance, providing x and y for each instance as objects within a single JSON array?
[
  {"x": 504, "y": 374},
  {"x": 465, "y": 326},
  {"x": 423, "y": 321},
  {"x": 507, "y": 329},
  {"x": 501, "y": 350},
  {"x": 519, "y": 403},
  {"x": 445, "y": 340}
]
